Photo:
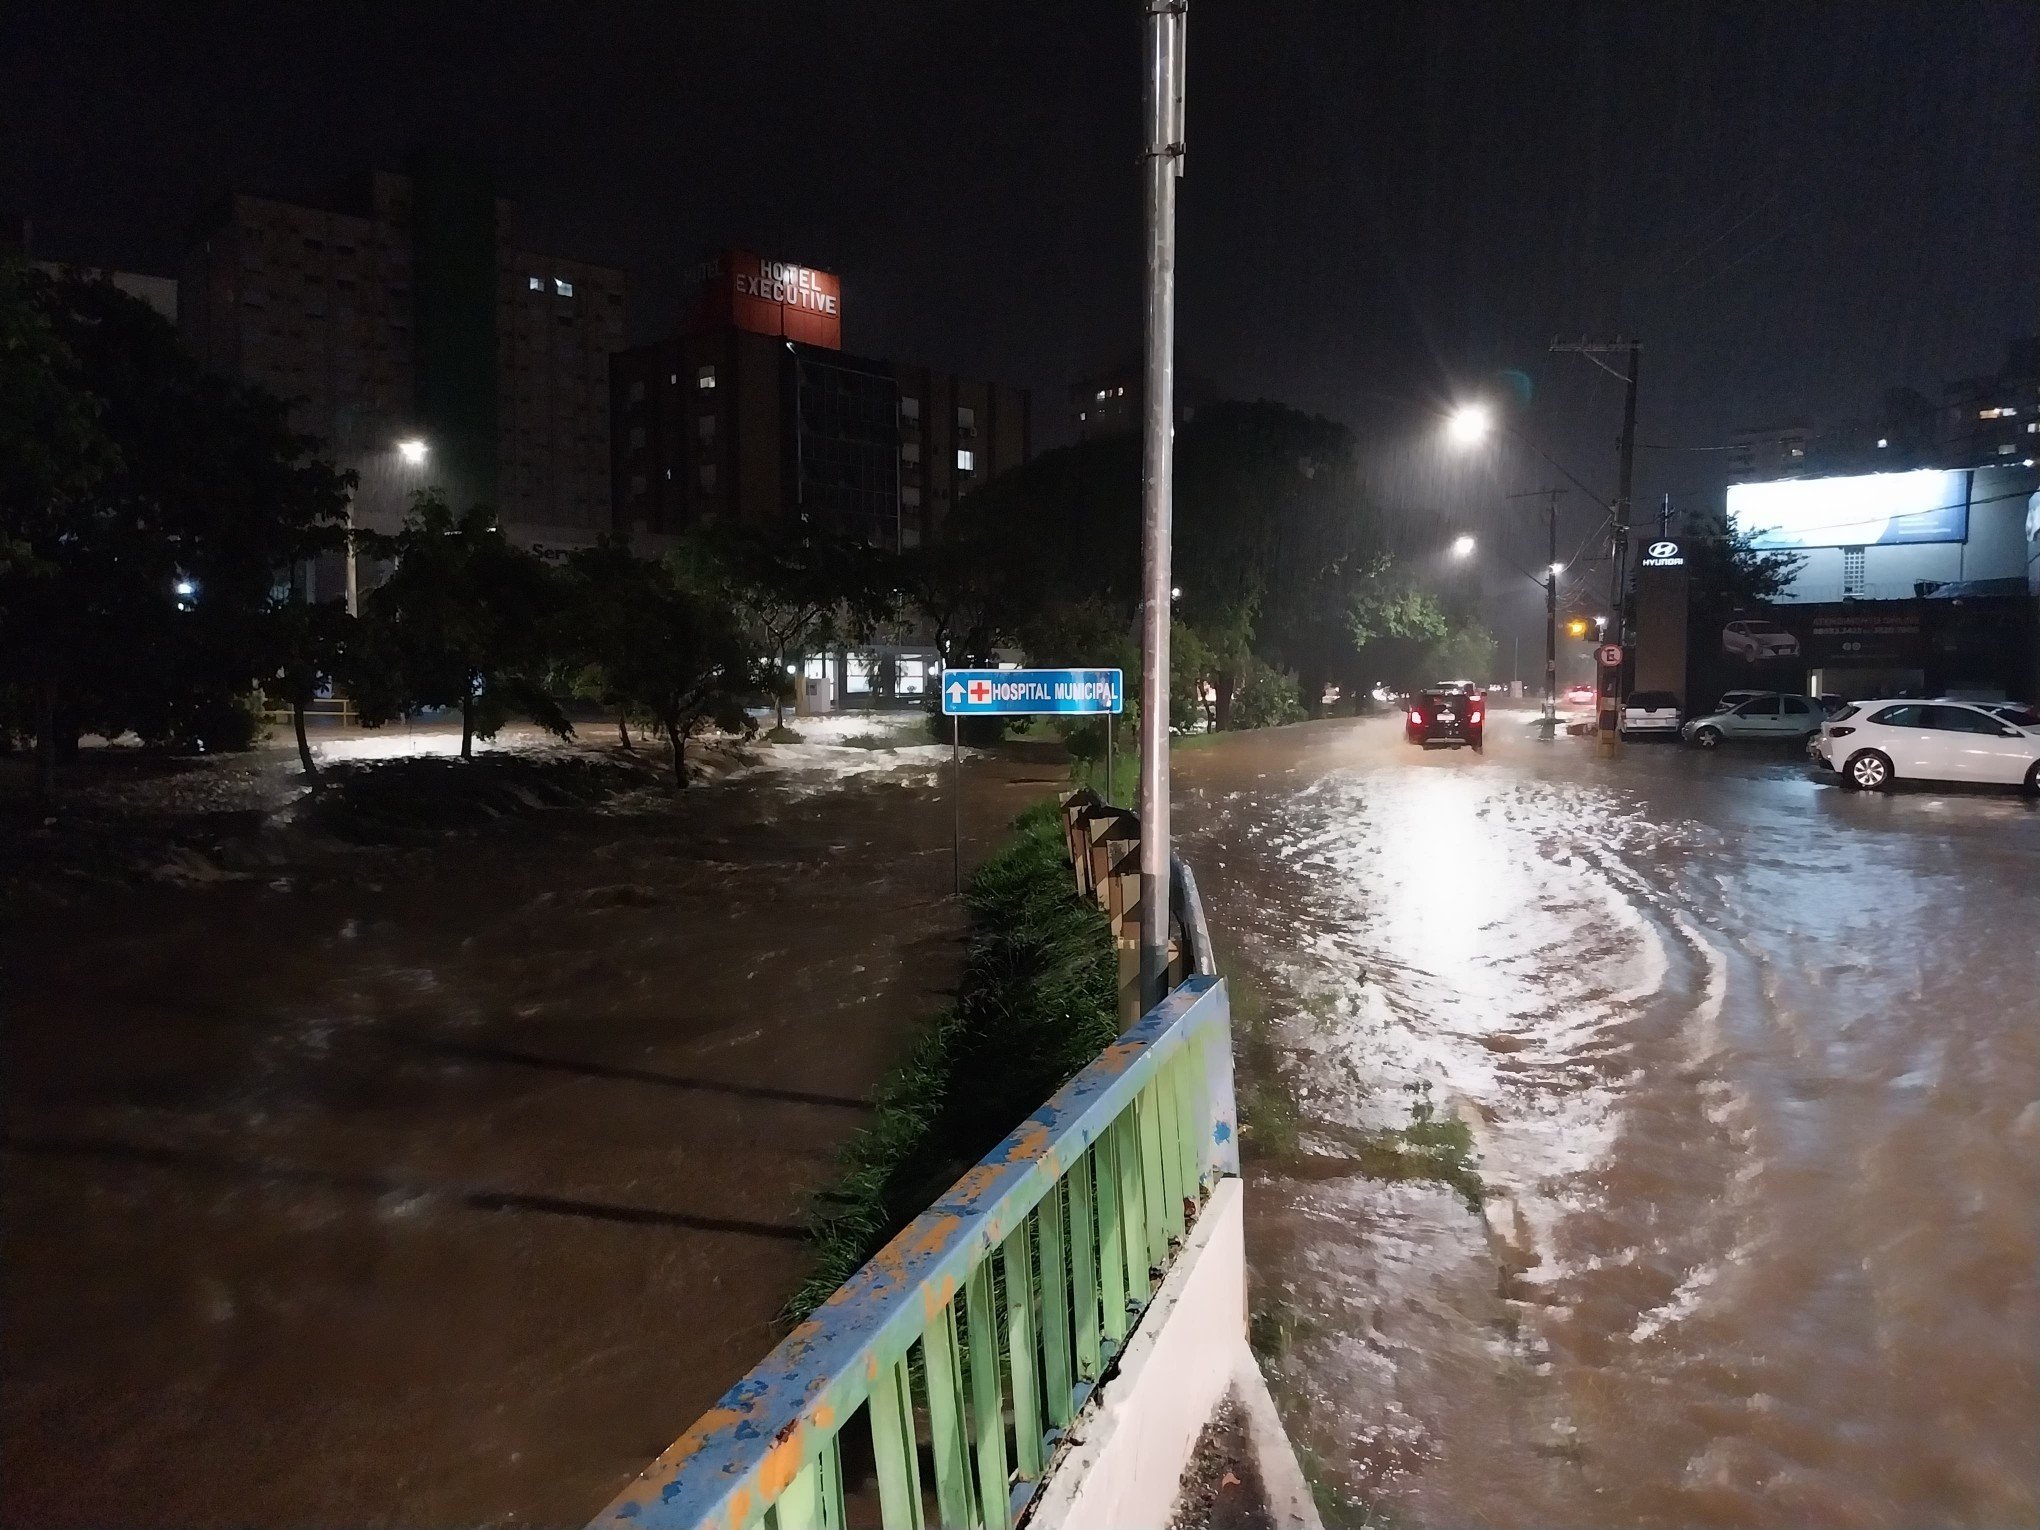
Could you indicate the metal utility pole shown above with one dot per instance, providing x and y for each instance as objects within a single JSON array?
[
  {"x": 1609, "y": 711},
  {"x": 1162, "y": 165},
  {"x": 1549, "y": 725}
]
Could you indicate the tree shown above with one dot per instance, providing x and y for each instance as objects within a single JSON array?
[
  {"x": 149, "y": 550},
  {"x": 1726, "y": 572},
  {"x": 463, "y": 620},
  {"x": 796, "y": 590},
  {"x": 652, "y": 637},
  {"x": 53, "y": 451},
  {"x": 1395, "y": 624}
]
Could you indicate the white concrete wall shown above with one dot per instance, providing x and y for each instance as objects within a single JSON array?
[{"x": 1130, "y": 1444}]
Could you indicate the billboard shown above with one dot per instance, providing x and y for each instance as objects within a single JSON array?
[
  {"x": 1865, "y": 510},
  {"x": 774, "y": 297}
]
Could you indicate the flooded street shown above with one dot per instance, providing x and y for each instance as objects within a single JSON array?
[
  {"x": 1752, "y": 1068},
  {"x": 448, "y": 1185}
]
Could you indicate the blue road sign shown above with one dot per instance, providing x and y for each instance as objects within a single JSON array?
[{"x": 983, "y": 692}]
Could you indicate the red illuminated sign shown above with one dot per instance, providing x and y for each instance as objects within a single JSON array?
[{"x": 776, "y": 297}]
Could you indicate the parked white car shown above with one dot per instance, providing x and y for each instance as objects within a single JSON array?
[
  {"x": 1650, "y": 712},
  {"x": 1873, "y": 743},
  {"x": 1771, "y": 716},
  {"x": 1756, "y": 639}
]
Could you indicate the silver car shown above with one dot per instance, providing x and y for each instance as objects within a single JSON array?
[{"x": 1778, "y": 717}]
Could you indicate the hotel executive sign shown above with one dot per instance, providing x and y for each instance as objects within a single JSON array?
[{"x": 778, "y": 297}]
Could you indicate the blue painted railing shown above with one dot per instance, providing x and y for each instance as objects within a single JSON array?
[{"x": 990, "y": 1318}]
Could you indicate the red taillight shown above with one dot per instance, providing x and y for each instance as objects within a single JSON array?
[
  {"x": 1416, "y": 719},
  {"x": 1834, "y": 732},
  {"x": 1474, "y": 715}
]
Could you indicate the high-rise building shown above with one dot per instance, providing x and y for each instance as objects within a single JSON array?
[
  {"x": 753, "y": 414},
  {"x": 412, "y": 331}
]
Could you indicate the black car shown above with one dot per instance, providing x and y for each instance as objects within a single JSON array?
[{"x": 1445, "y": 717}]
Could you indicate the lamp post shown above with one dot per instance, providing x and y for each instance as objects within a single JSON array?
[{"x": 411, "y": 453}]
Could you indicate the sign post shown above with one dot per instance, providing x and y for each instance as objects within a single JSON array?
[{"x": 1020, "y": 693}]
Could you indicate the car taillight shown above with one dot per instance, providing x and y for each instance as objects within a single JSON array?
[
  {"x": 1416, "y": 719},
  {"x": 1474, "y": 715},
  {"x": 1834, "y": 732}
]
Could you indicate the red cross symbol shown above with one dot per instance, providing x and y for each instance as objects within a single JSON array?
[{"x": 980, "y": 692}]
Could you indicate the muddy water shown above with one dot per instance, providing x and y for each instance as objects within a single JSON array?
[
  {"x": 448, "y": 1186},
  {"x": 1753, "y": 1068}
]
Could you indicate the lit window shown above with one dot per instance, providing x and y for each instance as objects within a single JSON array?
[
  {"x": 538, "y": 284},
  {"x": 705, "y": 378},
  {"x": 2006, "y": 450},
  {"x": 966, "y": 460},
  {"x": 1882, "y": 443},
  {"x": 2033, "y": 429},
  {"x": 1080, "y": 416},
  {"x": 1104, "y": 393},
  {"x": 673, "y": 381},
  {"x": 669, "y": 475},
  {"x": 563, "y": 287},
  {"x": 1799, "y": 451}
]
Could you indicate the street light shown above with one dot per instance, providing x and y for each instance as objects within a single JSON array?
[
  {"x": 1462, "y": 547},
  {"x": 412, "y": 451},
  {"x": 1469, "y": 424}
]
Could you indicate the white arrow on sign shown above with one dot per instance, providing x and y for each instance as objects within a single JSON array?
[{"x": 955, "y": 691}]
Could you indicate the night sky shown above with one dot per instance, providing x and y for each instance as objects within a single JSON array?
[{"x": 1794, "y": 206}]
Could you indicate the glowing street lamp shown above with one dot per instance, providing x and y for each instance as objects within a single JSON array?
[
  {"x": 413, "y": 452},
  {"x": 1469, "y": 424},
  {"x": 1462, "y": 547}
]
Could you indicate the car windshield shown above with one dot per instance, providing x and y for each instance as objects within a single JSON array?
[{"x": 1767, "y": 629}]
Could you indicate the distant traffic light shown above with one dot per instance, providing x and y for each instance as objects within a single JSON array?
[{"x": 1577, "y": 627}]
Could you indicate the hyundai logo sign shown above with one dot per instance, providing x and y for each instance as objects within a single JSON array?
[{"x": 1663, "y": 555}]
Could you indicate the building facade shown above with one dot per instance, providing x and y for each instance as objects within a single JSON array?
[
  {"x": 412, "y": 332},
  {"x": 753, "y": 414}
]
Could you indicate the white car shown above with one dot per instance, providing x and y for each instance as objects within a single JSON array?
[
  {"x": 1873, "y": 743},
  {"x": 1756, "y": 639},
  {"x": 1769, "y": 716},
  {"x": 1650, "y": 712}
]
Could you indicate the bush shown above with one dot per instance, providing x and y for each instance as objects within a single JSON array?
[
  {"x": 1266, "y": 698},
  {"x": 1037, "y": 1002}
]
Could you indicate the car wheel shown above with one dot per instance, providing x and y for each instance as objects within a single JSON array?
[
  {"x": 2033, "y": 780},
  {"x": 1867, "y": 771},
  {"x": 1707, "y": 738}
]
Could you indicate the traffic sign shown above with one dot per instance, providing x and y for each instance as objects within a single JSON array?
[
  {"x": 1609, "y": 655},
  {"x": 1011, "y": 692}
]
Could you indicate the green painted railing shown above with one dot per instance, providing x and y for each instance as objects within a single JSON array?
[{"x": 957, "y": 1357}]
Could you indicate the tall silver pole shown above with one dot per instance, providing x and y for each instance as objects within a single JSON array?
[{"x": 1164, "y": 163}]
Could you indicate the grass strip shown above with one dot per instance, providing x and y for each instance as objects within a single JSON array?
[{"x": 1037, "y": 1002}]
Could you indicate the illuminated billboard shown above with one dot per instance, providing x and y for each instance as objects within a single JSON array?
[
  {"x": 774, "y": 297},
  {"x": 1861, "y": 511}
]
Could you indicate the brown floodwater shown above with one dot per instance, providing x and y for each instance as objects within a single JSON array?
[
  {"x": 1753, "y": 1071},
  {"x": 447, "y": 1186}
]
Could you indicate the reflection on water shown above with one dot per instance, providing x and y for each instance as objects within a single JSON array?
[{"x": 1753, "y": 1072}]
